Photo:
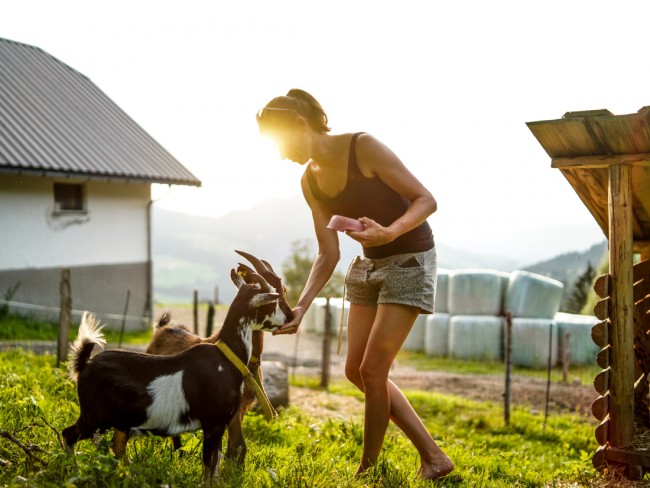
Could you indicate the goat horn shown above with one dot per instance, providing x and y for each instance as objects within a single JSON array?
[
  {"x": 257, "y": 263},
  {"x": 264, "y": 285}
]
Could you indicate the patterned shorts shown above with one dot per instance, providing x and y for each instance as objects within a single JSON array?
[{"x": 406, "y": 279}]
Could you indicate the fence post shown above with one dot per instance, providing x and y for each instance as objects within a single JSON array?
[
  {"x": 566, "y": 357},
  {"x": 126, "y": 309},
  {"x": 508, "y": 359},
  {"x": 325, "y": 370},
  {"x": 65, "y": 312},
  {"x": 209, "y": 325},
  {"x": 196, "y": 311},
  {"x": 548, "y": 372}
]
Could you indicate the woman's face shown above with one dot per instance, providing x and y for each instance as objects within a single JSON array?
[
  {"x": 289, "y": 130},
  {"x": 293, "y": 144}
]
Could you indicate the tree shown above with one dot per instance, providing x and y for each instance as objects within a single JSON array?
[
  {"x": 592, "y": 298},
  {"x": 581, "y": 289},
  {"x": 296, "y": 268}
]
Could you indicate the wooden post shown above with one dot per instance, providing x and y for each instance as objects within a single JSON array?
[
  {"x": 195, "y": 314},
  {"x": 566, "y": 357},
  {"x": 508, "y": 359},
  {"x": 123, "y": 326},
  {"x": 325, "y": 374},
  {"x": 65, "y": 313},
  {"x": 548, "y": 372},
  {"x": 209, "y": 324},
  {"x": 622, "y": 306}
]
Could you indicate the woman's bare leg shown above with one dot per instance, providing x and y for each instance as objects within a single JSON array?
[{"x": 375, "y": 335}]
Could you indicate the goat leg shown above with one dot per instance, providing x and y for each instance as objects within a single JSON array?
[
  {"x": 212, "y": 451},
  {"x": 120, "y": 439},
  {"x": 236, "y": 449},
  {"x": 177, "y": 442}
]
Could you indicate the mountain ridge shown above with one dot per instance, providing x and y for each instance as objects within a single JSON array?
[{"x": 192, "y": 252}]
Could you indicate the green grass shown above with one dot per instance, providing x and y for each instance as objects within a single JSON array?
[
  {"x": 420, "y": 361},
  {"x": 296, "y": 450}
]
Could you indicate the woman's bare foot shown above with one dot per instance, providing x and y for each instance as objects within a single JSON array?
[{"x": 435, "y": 470}]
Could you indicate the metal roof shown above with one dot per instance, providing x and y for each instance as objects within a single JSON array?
[
  {"x": 55, "y": 121},
  {"x": 583, "y": 145}
]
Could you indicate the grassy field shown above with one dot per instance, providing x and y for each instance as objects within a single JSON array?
[{"x": 299, "y": 449}]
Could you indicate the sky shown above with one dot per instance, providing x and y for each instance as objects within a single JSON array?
[{"x": 448, "y": 86}]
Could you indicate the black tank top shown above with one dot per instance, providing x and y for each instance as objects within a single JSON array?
[{"x": 372, "y": 198}]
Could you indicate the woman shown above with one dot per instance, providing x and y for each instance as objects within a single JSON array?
[{"x": 355, "y": 175}]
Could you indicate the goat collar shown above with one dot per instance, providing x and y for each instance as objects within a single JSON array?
[{"x": 269, "y": 411}]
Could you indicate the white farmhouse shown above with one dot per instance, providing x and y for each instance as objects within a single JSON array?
[{"x": 75, "y": 180}]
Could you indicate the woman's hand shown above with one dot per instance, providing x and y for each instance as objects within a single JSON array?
[
  {"x": 373, "y": 235},
  {"x": 292, "y": 327}
]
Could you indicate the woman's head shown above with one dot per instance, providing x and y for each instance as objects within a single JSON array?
[{"x": 285, "y": 112}]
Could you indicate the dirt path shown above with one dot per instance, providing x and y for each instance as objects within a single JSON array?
[{"x": 305, "y": 352}]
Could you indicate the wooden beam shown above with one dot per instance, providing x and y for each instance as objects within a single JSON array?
[
  {"x": 601, "y": 161},
  {"x": 642, "y": 248},
  {"x": 621, "y": 404}
]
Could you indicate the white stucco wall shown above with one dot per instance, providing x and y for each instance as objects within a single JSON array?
[{"x": 114, "y": 229}]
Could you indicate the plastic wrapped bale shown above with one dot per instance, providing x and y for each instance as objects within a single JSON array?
[
  {"x": 530, "y": 342},
  {"x": 314, "y": 319},
  {"x": 442, "y": 287},
  {"x": 505, "y": 280},
  {"x": 335, "y": 310},
  {"x": 582, "y": 349},
  {"x": 475, "y": 292},
  {"x": 436, "y": 334},
  {"x": 476, "y": 337},
  {"x": 533, "y": 296},
  {"x": 317, "y": 320},
  {"x": 415, "y": 340}
]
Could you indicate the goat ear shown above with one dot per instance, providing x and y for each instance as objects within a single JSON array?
[
  {"x": 264, "y": 299},
  {"x": 237, "y": 280}
]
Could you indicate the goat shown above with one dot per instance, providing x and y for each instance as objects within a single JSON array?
[
  {"x": 171, "y": 338},
  {"x": 165, "y": 395}
]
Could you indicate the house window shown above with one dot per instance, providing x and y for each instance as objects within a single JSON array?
[{"x": 68, "y": 197}]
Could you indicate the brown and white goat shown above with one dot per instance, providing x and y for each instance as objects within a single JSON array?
[
  {"x": 171, "y": 339},
  {"x": 166, "y": 395}
]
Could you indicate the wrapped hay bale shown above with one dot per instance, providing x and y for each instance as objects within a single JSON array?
[
  {"x": 476, "y": 337},
  {"x": 505, "y": 280},
  {"x": 436, "y": 334},
  {"x": 314, "y": 319},
  {"x": 475, "y": 292},
  {"x": 335, "y": 309},
  {"x": 533, "y": 296},
  {"x": 442, "y": 286},
  {"x": 415, "y": 340},
  {"x": 582, "y": 348},
  {"x": 530, "y": 342}
]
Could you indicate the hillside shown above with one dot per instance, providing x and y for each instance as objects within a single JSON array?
[
  {"x": 567, "y": 267},
  {"x": 194, "y": 252}
]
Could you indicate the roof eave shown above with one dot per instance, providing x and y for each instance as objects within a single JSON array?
[{"x": 100, "y": 177}]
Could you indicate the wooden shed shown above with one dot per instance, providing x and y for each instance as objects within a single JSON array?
[{"x": 606, "y": 159}]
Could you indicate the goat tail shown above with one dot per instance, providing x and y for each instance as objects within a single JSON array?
[{"x": 90, "y": 333}]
